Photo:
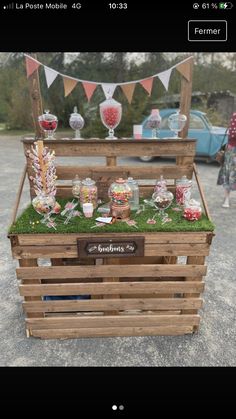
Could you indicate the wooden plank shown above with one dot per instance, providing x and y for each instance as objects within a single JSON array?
[
  {"x": 22, "y": 181},
  {"x": 111, "y": 288},
  {"x": 111, "y": 161},
  {"x": 106, "y": 271},
  {"x": 112, "y": 321},
  {"x": 200, "y": 260},
  {"x": 111, "y": 331},
  {"x": 114, "y": 304},
  {"x": 36, "y": 99},
  {"x": 99, "y": 172},
  {"x": 30, "y": 263},
  {"x": 169, "y": 250},
  {"x": 71, "y": 238},
  {"x": 145, "y": 147},
  {"x": 201, "y": 192}
]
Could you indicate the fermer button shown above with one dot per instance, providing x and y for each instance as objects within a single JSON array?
[{"x": 207, "y": 30}]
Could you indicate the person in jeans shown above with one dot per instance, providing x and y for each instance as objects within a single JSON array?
[{"x": 227, "y": 173}]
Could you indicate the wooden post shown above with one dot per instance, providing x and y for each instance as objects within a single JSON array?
[
  {"x": 185, "y": 98},
  {"x": 36, "y": 100}
]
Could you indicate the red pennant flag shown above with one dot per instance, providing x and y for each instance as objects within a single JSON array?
[
  {"x": 31, "y": 66},
  {"x": 147, "y": 84},
  {"x": 89, "y": 89}
]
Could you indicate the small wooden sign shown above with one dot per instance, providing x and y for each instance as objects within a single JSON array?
[{"x": 105, "y": 247}]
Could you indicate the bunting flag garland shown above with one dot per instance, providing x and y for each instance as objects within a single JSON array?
[
  {"x": 164, "y": 76},
  {"x": 69, "y": 85},
  {"x": 147, "y": 84},
  {"x": 50, "y": 75},
  {"x": 89, "y": 89},
  {"x": 128, "y": 90},
  {"x": 31, "y": 65},
  {"x": 184, "y": 68}
]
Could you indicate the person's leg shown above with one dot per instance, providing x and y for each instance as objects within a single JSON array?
[{"x": 226, "y": 201}]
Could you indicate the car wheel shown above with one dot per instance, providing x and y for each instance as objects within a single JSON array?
[{"x": 146, "y": 158}]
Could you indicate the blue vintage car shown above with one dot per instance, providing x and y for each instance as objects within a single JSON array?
[{"x": 209, "y": 138}]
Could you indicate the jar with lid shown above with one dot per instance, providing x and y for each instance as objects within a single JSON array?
[
  {"x": 110, "y": 112},
  {"x": 48, "y": 123},
  {"x": 76, "y": 186},
  {"x": 88, "y": 192},
  {"x": 119, "y": 194},
  {"x": 134, "y": 199},
  {"x": 183, "y": 190},
  {"x": 153, "y": 122},
  {"x": 162, "y": 200},
  {"x": 76, "y": 122},
  {"x": 160, "y": 185},
  {"x": 192, "y": 210}
]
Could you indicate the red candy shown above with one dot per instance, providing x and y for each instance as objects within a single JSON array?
[
  {"x": 192, "y": 214},
  {"x": 111, "y": 116},
  {"x": 181, "y": 193},
  {"x": 48, "y": 125}
]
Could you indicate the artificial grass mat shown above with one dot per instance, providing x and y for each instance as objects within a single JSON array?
[{"x": 24, "y": 223}]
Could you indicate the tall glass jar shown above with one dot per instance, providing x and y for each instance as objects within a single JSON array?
[
  {"x": 134, "y": 199},
  {"x": 76, "y": 186},
  {"x": 160, "y": 185},
  {"x": 76, "y": 122},
  {"x": 110, "y": 112},
  {"x": 88, "y": 192},
  {"x": 183, "y": 190},
  {"x": 119, "y": 194},
  {"x": 153, "y": 122}
]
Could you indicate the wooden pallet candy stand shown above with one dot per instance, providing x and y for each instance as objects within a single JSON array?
[
  {"x": 149, "y": 294},
  {"x": 148, "y": 289}
]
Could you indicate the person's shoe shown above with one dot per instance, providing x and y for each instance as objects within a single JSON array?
[{"x": 226, "y": 203}]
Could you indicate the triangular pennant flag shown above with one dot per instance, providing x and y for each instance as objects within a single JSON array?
[
  {"x": 108, "y": 89},
  {"x": 164, "y": 76},
  {"x": 50, "y": 75},
  {"x": 31, "y": 66},
  {"x": 128, "y": 90},
  {"x": 147, "y": 84},
  {"x": 185, "y": 69},
  {"x": 89, "y": 89},
  {"x": 69, "y": 85}
]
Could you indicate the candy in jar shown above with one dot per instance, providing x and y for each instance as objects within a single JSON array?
[
  {"x": 183, "y": 190},
  {"x": 120, "y": 193},
  {"x": 160, "y": 185},
  {"x": 88, "y": 192},
  {"x": 192, "y": 210}
]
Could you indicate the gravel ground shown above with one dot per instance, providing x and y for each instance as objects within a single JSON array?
[{"x": 215, "y": 343}]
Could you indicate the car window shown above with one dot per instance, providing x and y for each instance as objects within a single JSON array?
[
  {"x": 164, "y": 123},
  {"x": 196, "y": 122}
]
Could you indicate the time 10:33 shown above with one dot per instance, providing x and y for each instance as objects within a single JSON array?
[{"x": 118, "y": 5}]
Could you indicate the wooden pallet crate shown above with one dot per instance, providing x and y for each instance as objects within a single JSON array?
[{"x": 158, "y": 293}]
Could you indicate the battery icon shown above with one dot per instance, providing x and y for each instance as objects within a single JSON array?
[{"x": 226, "y": 5}]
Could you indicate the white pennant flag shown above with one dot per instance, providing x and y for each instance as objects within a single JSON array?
[
  {"x": 50, "y": 75},
  {"x": 165, "y": 77},
  {"x": 108, "y": 89}
]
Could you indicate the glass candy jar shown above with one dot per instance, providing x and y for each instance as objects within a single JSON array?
[
  {"x": 76, "y": 186},
  {"x": 153, "y": 122},
  {"x": 110, "y": 112},
  {"x": 119, "y": 194},
  {"x": 183, "y": 190},
  {"x": 44, "y": 205},
  {"x": 76, "y": 122},
  {"x": 48, "y": 123},
  {"x": 88, "y": 192},
  {"x": 134, "y": 199},
  {"x": 192, "y": 210},
  {"x": 162, "y": 200},
  {"x": 160, "y": 185},
  {"x": 176, "y": 123}
]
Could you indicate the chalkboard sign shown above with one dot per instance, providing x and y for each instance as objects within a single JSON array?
[{"x": 109, "y": 247}]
